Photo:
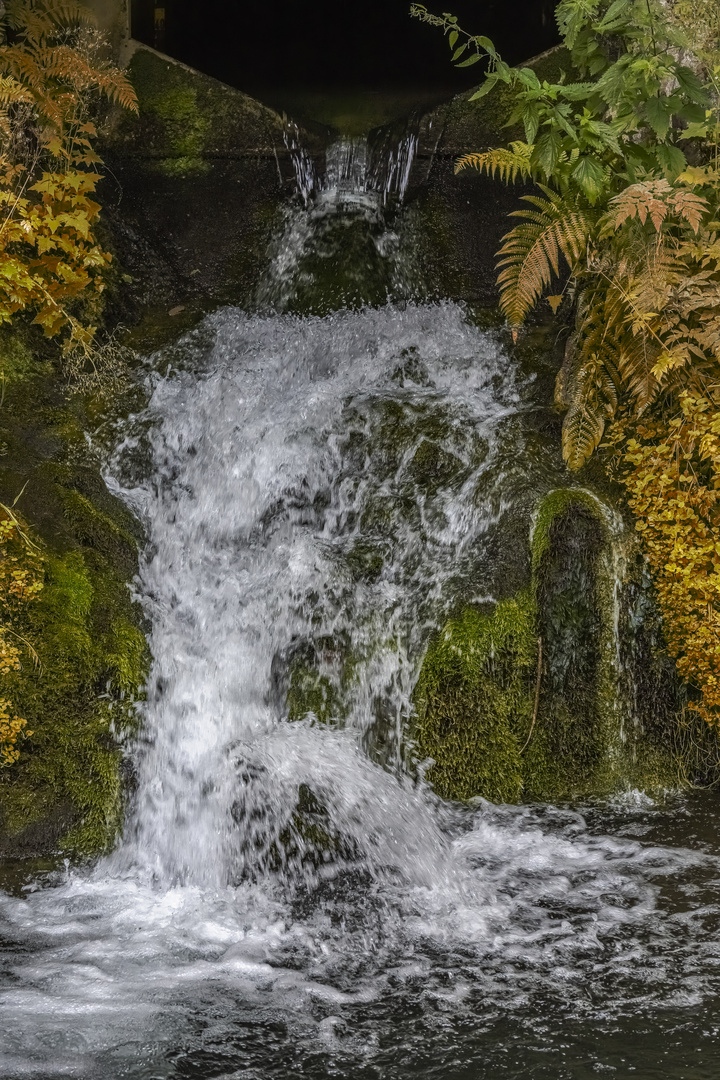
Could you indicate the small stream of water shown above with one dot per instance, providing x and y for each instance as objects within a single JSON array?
[{"x": 289, "y": 898}]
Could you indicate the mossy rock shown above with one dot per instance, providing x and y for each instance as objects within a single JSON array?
[
  {"x": 610, "y": 702},
  {"x": 65, "y": 791},
  {"x": 473, "y": 701},
  {"x": 309, "y": 840},
  {"x": 569, "y": 753},
  {"x": 315, "y": 679},
  {"x": 311, "y": 694},
  {"x": 565, "y": 691}
]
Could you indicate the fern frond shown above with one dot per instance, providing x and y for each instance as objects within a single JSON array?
[
  {"x": 593, "y": 401},
  {"x": 657, "y": 200},
  {"x": 531, "y": 252},
  {"x": 509, "y": 164},
  {"x": 36, "y": 19}
]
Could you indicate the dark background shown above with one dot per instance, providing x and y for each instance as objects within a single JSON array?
[{"x": 256, "y": 44}]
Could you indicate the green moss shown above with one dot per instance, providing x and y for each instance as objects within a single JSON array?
[
  {"x": 569, "y": 753},
  {"x": 127, "y": 658},
  {"x": 65, "y": 792},
  {"x": 552, "y": 506},
  {"x": 532, "y": 698},
  {"x": 73, "y": 702},
  {"x": 312, "y": 694},
  {"x": 93, "y": 527},
  {"x": 185, "y": 130},
  {"x": 607, "y": 707},
  {"x": 17, "y": 362},
  {"x": 186, "y": 118},
  {"x": 432, "y": 467},
  {"x": 474, "y": 701},
  {"x": 309, "y": 839}
]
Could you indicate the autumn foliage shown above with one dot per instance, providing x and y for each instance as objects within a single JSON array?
[
  {"x": 625, "y": 233},
  {"x": 52, "y": 73},
  {"x": 21, "y": 581}
]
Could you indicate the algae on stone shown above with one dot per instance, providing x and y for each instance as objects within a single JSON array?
[
  {"x": 185, "y": 130},
  {"x": 474, "y": 701}
]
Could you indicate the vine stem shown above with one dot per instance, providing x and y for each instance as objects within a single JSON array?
[{"x": 652, "y": 27}]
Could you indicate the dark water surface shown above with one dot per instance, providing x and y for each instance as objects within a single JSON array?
[{"x": 595, "y": 953}]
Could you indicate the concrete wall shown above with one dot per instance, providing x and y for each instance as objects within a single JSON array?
[{"x": 113, "y": 18}]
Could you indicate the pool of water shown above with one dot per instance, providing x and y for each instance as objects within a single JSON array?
[{"x": 556, "y": 942}]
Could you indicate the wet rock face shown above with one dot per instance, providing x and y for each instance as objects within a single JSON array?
[
  {"x": 571, "y": 743},
  {"x": 462, "y": 218},
  {"x": 194, "y": 187}
]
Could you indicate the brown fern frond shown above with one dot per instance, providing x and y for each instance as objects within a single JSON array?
[
  {"x": 43, "y": 65},
  {"x": 531, "y": 252},
  {"x": 657, "y": 200},
  {"x": 637, "y": 357},
  {"x": 592, "y": 402},
  {"x": 40, "y": 18}
]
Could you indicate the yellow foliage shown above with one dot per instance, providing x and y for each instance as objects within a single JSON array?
[
  {"x": 21, "y": 580},
  {"x": 51, "y": 72},
  {"x": 672, "y": 473},
  {"x": 648, "y": 319}
]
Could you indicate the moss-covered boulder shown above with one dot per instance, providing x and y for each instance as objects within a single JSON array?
[
  {"x": 83, "y": 629},
  {"x": 564, "y": 691},
  {"x": 571, "y": 749}
]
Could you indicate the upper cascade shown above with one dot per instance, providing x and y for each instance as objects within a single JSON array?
[{"x": 379, "y": 166}]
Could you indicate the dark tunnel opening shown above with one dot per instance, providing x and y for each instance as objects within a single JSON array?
[{"x": 265, "y": 47}]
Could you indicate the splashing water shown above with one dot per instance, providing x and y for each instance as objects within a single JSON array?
[
  {"x": 276, "y": 472},
  {"x": 289, "y": 898}
]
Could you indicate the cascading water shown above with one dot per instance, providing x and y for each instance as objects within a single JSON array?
[
  {"x": 274, "y": 526},
  {"x": 336, "y": 248},
  {"x": 289, "y": 898}
]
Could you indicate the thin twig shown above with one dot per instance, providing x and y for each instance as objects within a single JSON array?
[
  {"x": 33, "y": 653},
  {"x": 537, "y": 696}
]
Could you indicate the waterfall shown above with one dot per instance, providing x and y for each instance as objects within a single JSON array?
[
  {"x": 322, "y": 480},
  {"x": 292, "y": 500},
  {"x": 340, "y": 245},
  {"x": 354, "y": 167}
]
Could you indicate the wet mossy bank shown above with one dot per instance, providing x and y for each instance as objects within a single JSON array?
[{"x": 82, "y": 643}]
